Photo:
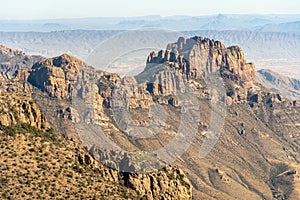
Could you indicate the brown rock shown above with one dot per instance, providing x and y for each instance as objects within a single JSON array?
[
  {"x": 169, "y": 183},
  {"x": 18, "y": 108},
  {"x": 57, "y": 76},
  {"x": 199, "y": 57}
]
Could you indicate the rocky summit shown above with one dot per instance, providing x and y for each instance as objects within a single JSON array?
[
  {"x": 56, "y": 76},
  {"x": 199, "y": 56},
  {"x": 90, "y": 112}
]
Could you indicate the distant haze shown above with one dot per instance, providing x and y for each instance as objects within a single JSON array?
[
  {"x": 53, "y": 9},
  {"x": 253, "y": 22}
]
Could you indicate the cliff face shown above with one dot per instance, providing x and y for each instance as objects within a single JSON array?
[
  {"x": 14, "y": 70},
  {"x": 196, "y": 57},
  {"x": 166, "y": 72},
  {"x": 16, "y": 83},
  {"x": 162, "y": 185},
  {"x": 19, "y": 108},
  {"x": 20, "y": 115},
  {"x": 56, "y": 76},
  {"x": 256, "y": 156},
  {"x": 62, "y": 78}
]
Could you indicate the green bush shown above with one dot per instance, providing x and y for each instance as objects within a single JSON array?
[{"x": 47, "y": 135}]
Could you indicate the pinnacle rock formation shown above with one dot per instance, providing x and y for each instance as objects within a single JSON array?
[{"x": 198, "y": 56}]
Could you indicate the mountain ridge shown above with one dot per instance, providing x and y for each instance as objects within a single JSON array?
[
  {"x": 289, "y": 87},
  {"x": 212, "y": 22},
  {"x": 256, "y": 155},
  {"x": 265, "y": 49},
  {"x": 13, "y": 60}
]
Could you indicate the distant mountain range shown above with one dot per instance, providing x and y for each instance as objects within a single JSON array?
[
  {"x": 278, "y": 51},
  {"x": 270, "y": 41},
  {"x": 282, "y": 27},
  {"x": 178, "y": 23},
  {"x": 278, "y": 83}
]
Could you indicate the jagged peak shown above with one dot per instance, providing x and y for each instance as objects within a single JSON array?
[
  {"x": 205, "y": 43},
  {"x": 64, "y": 61},
  {"x": 10, "y": 52},
  {"x": 198, "y": 56}
]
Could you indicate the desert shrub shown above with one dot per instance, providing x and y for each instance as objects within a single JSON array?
[{"x": 47, "y": 135}]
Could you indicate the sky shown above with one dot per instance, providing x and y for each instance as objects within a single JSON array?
[{"x": 55, "y": 9}]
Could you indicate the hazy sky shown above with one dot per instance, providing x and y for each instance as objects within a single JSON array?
[{"x": 49, "y": 9}]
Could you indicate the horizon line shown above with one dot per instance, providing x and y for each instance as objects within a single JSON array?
[{"x": 150, "y": 15}]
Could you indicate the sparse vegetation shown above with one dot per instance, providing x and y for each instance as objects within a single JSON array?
[
  {"x": 15, "y": 129},
  {"x": 42, "y": 165}
]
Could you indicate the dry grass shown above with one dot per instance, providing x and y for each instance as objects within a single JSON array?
[{"x": 37, "y": 167}]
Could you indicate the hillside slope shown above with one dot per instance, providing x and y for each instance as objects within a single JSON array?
[
  {"x": 36, "y": 162},
  {"x": 255, "y": 155}
]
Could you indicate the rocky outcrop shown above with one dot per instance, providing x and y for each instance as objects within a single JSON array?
[
  {"x": 261, "y": 127},
  {"x": 169, "y": 183},
  {"x": 56, "y": 76},
  {"x": 14, "y": 70},
  {"x": 196, "y": 57},
  {"x": 131, "y": 95},
  {"x": 166, "y": 73},
  {"x": 14, "y": 84},
  {"x": 12, "y": 60},
  {"x": 18, "y": 108},
  {"x": 64, "y": 77}
]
